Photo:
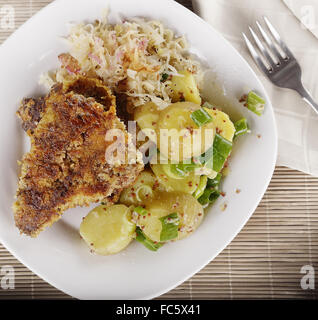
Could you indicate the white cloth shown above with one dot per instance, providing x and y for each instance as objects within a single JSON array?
[{"x": 297, "y": 123}]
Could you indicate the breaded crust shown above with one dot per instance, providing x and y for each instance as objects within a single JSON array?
[{"x": 66, "y": 166}]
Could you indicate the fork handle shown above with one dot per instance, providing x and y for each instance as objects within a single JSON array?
[{"x": 307, "y": 97}]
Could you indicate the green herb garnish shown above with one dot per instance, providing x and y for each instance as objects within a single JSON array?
[
  {"x": 206, "y": 158},
  {"x": 149, "y": 244},
  {"x": 241, "y": 127},
  {"x": 201, "y": 187},
  {"x": 221, "y": 150},
  {"x": 215, "y": 157},
  {"x": 210, "y": 195},
  {"x": 200, "y": 117},
  {"x": 255, "y": 103},
  {"x": 170, "y": 225},
  {"x": 213, "y": 183},
  {"x": 182, "y": 169},
  {"x": 140, "y": 210}
]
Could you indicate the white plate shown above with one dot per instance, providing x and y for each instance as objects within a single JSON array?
[{"x": 58, "y": 255}]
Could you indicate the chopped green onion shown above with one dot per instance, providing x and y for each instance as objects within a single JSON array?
[
  {"x": 222, "y": 146},
  {"x": 178, "y": 170},
  {"x": 200, "y": 117},
  {"x": 213, "y": 183},
  {"x": 182, "y": 169},
  {"x": 209, "y": 163},
  {"x": 221, "y": 150},
  {"x": 215, "y": 157},
  {"x": 255, "y": 103},
  {"x": 210, "y": 195},
  {"x": 140, "y": 210},
  {"x": 170, "y": 226},
  {"x": 214, "y": 196},
  {"x": 206, "y": 157},
  {"x": 164, "y": 77},
  {"x": 208, "y": 105},
  {"x": 172, "y": 171},
  {"x": 201, "y": 187},
  {"x": 241, "y": 127},
  {"x": 149, "y": 244},
  {"x": 187, "y": 167},
  {"x": 218, "y": 162}
]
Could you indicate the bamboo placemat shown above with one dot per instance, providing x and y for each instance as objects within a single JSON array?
[{"x": 263, "y": 261}]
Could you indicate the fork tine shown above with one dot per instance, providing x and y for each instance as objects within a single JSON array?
[
  {"x": 278, "y": 38},
  {"x": 262, "y": 48},
  {"x": 269, "y": 42},
  {"x": 255, "y": 55}
]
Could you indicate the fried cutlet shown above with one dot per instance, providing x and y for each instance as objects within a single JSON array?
[{"x": 66, "y": 166}]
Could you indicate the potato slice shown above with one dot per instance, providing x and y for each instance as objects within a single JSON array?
[
  {"x": 144, "y": 188},
  {"x": 178, "y": 135},
  {"x": 189, "y": 210},
  {"x": 188, "y": 184},
  {"x": 221, "y": 121},
  {"x": 108, "y": 230},
  {"x": 147, "y": 117},
  {"x": 185, "y": 87}
]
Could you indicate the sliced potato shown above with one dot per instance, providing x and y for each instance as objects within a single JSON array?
[
  {"x": 178, "y": 135},
  {"x": 108, "y": 230},
  {"x": 187, "y": 184},
  {"x": 144, "y": 187},
  {"x": 224, "y": 126},
  {"x": 189, "y": 210},
  {"x": 185, "y": 87},
  {"x": 147, "y": 117}
]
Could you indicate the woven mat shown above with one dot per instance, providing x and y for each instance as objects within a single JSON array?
[{"x": 264, "y": 260}]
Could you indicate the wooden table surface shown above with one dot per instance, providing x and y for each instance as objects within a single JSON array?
[{"x": 265, "y": 259}]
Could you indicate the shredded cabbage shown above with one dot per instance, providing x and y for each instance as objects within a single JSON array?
[{"x": 137, "y": 57}]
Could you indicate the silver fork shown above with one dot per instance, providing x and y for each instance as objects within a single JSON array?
[{"x": 283, "y": 70}]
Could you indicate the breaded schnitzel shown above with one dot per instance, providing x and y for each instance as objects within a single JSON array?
[{"x": 66, "y": 166}]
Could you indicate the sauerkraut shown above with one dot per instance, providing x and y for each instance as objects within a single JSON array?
[{"x": 137, "y": 58}]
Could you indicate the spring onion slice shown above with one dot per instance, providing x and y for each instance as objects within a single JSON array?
[
  {"x": 201, "y": 187},
  {"x": 241, "y": 127},
  {"x": 141, "y": 211},
  {"x": 213, "y": 183},
  {"x": 210, "y": 195},
  {"x": 206, "y": 157},
  {"x": 200, "y": 117},
  {"x": 222, "y": 146},
  {"x": 255, "y": 103},
  {"x": 209, "y": 164},
  {"x": 149, "y": 244},
  {"x": 218, "y": 162},
  {"x": 221, "y": 150},
  {"x": 215, "y": 157},
  {"x": 183, "y": 169},
  {"x": 172, "y": 171},
  {"x": 170, "y": 225},
  {"x": 143, "y": 190}
]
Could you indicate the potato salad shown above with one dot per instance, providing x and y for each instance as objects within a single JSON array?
[{"x": 191, "y": 141}]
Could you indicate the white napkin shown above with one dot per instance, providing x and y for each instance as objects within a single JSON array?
[{"x": 297, "y": 123}]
